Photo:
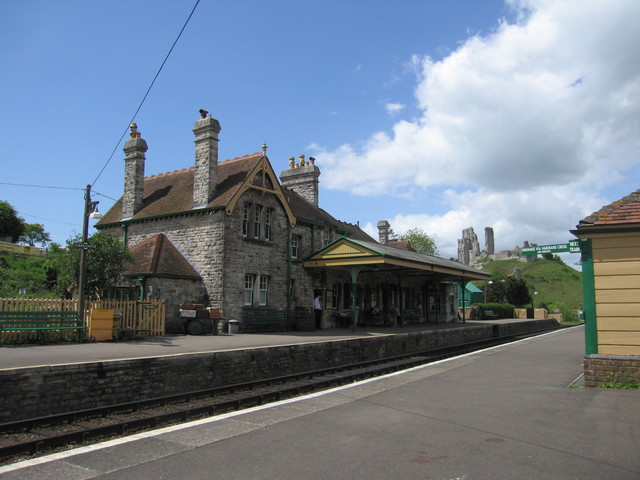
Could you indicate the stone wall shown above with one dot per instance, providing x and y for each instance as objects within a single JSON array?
[
  {"x": 39, "y": 391},
  {"x": 600, "y": 369},
  {"x": 256, "y": 257}
]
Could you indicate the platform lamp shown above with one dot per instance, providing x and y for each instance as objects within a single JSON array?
[
  {"x": 490, "y": 282},
  {"x": 90, "y": 211}
]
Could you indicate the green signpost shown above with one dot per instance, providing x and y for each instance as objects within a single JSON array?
[{"x": 573, "y": 246}]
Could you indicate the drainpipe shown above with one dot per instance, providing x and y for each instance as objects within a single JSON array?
[
  {"x": 313, "y": 238},
  {"x": 143, "y": 287},
  {"x": 125, "y": 232}
]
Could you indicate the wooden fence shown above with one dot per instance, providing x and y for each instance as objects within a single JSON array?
[{"x": 144, "y": 317}]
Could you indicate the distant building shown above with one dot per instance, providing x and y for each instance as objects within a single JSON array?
[{"x": 469, "y": 252}]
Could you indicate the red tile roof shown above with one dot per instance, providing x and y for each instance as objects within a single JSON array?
[
  {"x": 622, "y": 212},
  {"x": 158, "y": 256}
]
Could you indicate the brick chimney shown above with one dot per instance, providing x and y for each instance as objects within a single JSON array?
[
  {"x": 302, "y": 178},
  {"x": 205, "y": 177},
  {"x": 383, "y": 232},
  {"x": 134, "y": 150}
]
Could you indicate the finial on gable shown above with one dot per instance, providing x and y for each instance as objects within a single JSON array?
[{"x": 264, "y": 149}]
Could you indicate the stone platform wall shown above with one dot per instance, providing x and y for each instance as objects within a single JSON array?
[{"x": 40, "y": 391}]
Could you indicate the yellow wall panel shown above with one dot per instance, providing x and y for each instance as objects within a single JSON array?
[
  {"x": 617, "y": 282},
  {"x": 618, "y": 296},
  {"x": 610, "y": 323},
  {"x": 616, "y": 268},
  {"x": 619, "y": 241},
  {"x": 619, "y": 310},
  {"x": 618, "y": 350},
  {"x": 616, "y": 254},
  {"x": 619, "y": 338}
]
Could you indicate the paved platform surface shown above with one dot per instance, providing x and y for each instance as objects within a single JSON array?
[
  {"x": 18, "y": 356},
  {"x": 501, "y": 413}
]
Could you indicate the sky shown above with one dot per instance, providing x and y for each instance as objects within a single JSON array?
[{"x": 520, "y": 115}]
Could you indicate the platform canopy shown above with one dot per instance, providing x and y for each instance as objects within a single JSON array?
[{"x": 374, "y": 257}]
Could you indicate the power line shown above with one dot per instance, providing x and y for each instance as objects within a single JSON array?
[
  {"x": 146, "y": 94},
  {"x": 41, "y": 186}
]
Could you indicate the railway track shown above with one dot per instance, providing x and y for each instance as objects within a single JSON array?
[{"x": 35, "y": 437}]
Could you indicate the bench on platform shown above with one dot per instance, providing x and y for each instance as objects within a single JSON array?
[
  {"x": 41, "y": 322},
  {"x": 266, "y": 319},
  {"x": 489, "y": 315}
]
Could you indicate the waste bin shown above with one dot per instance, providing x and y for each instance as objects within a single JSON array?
[{"x": 233, "y": 327}]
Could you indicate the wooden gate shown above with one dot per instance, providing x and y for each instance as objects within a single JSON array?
[{"x": 143, "y": 317}]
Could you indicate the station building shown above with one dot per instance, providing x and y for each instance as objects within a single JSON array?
[{"x": 233, "y": 236}]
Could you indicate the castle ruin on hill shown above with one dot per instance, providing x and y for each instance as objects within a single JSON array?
[{"x": 469, "y": 252}]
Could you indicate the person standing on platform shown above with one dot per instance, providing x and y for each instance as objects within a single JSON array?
[{"x": 317, "y": 307}]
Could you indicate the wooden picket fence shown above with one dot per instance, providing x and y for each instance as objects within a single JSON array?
[{"x": 144, "y": 317}]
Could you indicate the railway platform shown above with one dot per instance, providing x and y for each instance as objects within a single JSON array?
[
  {"x": 501, "y": 413},
  {"x": 22, "y": 356}
]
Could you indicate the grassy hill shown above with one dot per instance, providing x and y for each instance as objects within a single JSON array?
[
  {"x": 28, "y": 272},
  {"x": 558, "y": 285}
]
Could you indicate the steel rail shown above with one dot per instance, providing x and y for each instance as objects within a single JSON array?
[{"x": 312, "y": 381}]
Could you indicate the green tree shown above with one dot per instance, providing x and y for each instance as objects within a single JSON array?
[
  {"x": 106, "y": 260},
  {"x": 33, "y": 233},
  {"x": 420, "y": 241},
  {"x": 518, "y": 292},
  {"x": 497, "y": 290},
  {"x": 10, "y": 223}
]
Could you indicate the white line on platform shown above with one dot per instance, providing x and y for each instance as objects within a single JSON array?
[{"x": 217, "y": 418}]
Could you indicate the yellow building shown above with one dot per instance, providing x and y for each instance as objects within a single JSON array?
[{"x": 610, "y": 245}]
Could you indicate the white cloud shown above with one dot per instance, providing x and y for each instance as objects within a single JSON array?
[
  {"x": 394, "y": 108},
  {"x": 525, "y": 127}
]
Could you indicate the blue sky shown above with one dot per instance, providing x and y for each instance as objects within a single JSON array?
[{"x": 445, "y": 114}]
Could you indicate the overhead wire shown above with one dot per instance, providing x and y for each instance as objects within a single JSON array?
[{"x": 147, "y": 93}]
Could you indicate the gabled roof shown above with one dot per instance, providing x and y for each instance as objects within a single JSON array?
[
  {"x": 348, "y": 252},
  {"x": 623, "y": 211},
  {"x": 172, "y": 193},
  {"x": 158, "y": 257},
  {"x": 308, "y": 213}
]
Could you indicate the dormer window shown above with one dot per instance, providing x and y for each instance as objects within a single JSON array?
[{"x": 257, "y": 222}]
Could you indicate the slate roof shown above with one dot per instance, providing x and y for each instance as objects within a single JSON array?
[
  {"x": 157, "y": 256},
  {"x": 621, "y": 212},
  {"x": 173, "y": 192}
]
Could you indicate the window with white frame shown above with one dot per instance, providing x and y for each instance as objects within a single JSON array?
[
  {"x": 249, "y": 282},
  {"x": 326, "y": 237},
  {"x": 295, "y": 246},
  {"x": 257, "y": 221},
  {"x": 263, "y": 291},
  {"x": 246, "y": 219},
  {"x": 268, "y": 214}
]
